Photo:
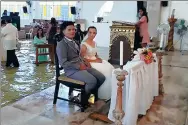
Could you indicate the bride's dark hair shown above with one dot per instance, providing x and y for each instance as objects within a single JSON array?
[{"x": 91, "y": 27}]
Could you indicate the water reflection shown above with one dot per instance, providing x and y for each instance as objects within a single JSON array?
[{"x": 28, "y": 78}]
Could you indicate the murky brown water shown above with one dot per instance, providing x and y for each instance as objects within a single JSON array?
[{"x": 28, "y": 78}]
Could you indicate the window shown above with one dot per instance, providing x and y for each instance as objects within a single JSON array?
[
  {"x": 15, "y": 7},
  {"x": 58, "y": 9},
  {"x": 106, "y": 9}
]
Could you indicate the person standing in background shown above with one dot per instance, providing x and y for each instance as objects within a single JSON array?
[
  {"x": 58, "y": 36},
  {"x": 143, "y": 26},
  {"x": 2, "y": 49},
  {"x": 52, "y": 28},
  {"x": 5, "y": 13},
  {"x": 10, "y": 34},
  {"x": 79, "y": 34}
]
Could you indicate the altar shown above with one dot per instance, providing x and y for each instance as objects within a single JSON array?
[
  {"x": 125, "y": 32},
  {"x": 141, "y": 85}
]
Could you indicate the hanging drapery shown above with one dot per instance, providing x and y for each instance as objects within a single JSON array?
[
  {"x": 70, "y": 15},
  {"x": 64, "y": 12},
  {"x": 58, "y": 10},
  {"x": 48, "y": 11},
  {"x": 55, "y": 11},
  {"x": 15, "y": 9},
  {"x": 44, "y": 11}
]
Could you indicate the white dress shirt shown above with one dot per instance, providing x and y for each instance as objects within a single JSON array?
[
  {"x": 71, "y": 40},
  {"x": 10, "y": 36}
]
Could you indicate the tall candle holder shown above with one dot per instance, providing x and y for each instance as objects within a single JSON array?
[
  {"x": 118, "y": 112},
  {"x": 171, "y": 22},
  {"x": 159, "y": 55}
]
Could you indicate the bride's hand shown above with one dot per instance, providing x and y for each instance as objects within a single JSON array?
[
  {"x": 99, "y": 60},
  {"x": 87, "y": 63}
]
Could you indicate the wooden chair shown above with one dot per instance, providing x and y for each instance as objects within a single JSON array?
[
  {"x": 71, "y": 83},
  {"x": 50, "y": 53}
]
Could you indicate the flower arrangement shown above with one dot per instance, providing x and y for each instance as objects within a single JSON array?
[{"x": 145, "y": 55}]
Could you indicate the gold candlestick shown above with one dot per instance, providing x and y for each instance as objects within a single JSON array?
[
  {"x": 160, "y": 54},
  {"x": 118, "y": 112},
  {"x": 171, "y": 21}
]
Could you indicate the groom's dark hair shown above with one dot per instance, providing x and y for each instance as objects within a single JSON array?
[{"x": 65, "y": 24}]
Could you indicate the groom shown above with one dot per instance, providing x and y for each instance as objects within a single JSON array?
[{"x": 75, "y": 67}]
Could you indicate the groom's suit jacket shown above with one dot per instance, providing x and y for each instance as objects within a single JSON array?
[{"x": 68, "y": 52}]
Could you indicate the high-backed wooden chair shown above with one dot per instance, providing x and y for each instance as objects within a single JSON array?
[{"x": 71, "y": 83}]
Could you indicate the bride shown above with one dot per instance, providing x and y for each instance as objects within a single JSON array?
[{"x": 89, "y": 52}]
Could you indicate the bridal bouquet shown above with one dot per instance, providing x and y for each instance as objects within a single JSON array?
[{"x": 145, "y": 55}]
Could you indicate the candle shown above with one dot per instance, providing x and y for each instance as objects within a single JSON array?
[
  {"x": 121, "y": 53},
  {"x": 161, "y": 41},
  {"x": 173, "y": 12}
]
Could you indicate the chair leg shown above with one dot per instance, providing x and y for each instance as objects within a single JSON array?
[
  {"x": 56, "y": 92},
  {"x": 96, "y": 96},
  {"x": 37, "y": 54},
  {"x": 84, "y": 100}
]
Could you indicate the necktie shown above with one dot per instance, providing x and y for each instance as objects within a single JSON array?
[{"x": 75, "y": 45}]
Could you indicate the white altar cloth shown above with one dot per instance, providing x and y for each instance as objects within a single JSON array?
[{"x": 140, "y": 87}]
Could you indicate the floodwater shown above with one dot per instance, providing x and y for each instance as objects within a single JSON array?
[{"x": 28, "y": 78}]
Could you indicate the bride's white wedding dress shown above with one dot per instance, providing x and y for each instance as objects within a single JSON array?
[{"x": 105, "y": 68}]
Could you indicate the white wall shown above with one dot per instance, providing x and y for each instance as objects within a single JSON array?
[
  {"x": 34, "y": 12},
  {"x": 89, "y": 9},
  {"x": 154, "y": 15},
  {"x": 181, "y": 7},
  {"x": 122, "y": 11}
]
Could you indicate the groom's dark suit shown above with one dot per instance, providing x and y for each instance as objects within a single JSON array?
[{"x": 68, "y": 53}]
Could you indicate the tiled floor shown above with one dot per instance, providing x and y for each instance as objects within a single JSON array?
[
  {"x": 171, "y": 109},
  {"x": 28, "y": 78}
]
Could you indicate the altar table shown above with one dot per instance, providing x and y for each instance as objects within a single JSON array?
[{"x": 140, "y": 87}]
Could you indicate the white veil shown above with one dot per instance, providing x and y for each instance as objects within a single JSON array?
[{"x": 85, "y": 38}]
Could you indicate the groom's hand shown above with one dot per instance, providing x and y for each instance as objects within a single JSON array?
[
  {"x": 87, "y": 63},
  {"x": 83, "y": 66}
]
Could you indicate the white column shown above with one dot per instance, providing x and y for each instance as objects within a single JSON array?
[{"x": 154, "y": 14}]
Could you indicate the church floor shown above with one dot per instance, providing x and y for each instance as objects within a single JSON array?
[
  {"x": 27, "y": 79},
  {"x": 37, "y": 108}
]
